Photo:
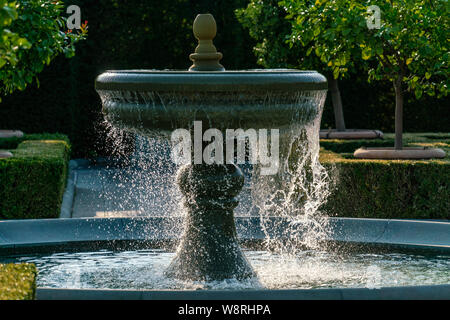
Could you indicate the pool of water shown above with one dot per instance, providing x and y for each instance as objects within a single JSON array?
[{"x": 144, "y": 269}]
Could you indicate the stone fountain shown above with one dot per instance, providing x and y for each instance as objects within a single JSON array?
[
  {"x": 84, "y": 258},
  {"x": 155, "y": 103}
]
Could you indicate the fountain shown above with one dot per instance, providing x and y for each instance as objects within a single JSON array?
[
  {"x": 79, "y": 258},
  {"x": 156, "y": 103}
]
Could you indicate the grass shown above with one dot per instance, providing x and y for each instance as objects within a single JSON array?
[{"x": 17, "y": 281}]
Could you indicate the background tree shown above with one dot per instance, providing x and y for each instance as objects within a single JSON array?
[
  {"x": 266, "y": 22},
  {"x": 31, "y": 35},
  {"x": 410, "y": 47},
  {"x": 286, "y": 33},
  {"x": 10, "y": 42}
]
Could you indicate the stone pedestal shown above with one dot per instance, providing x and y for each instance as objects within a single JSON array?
[
  {"x": 5, "y": 154},
  {"x": 351, "y": 134},
  {"x": 394, "y": 154},
  {"x": 209, "y": 249},
  {"x": 11, "y": 134}
]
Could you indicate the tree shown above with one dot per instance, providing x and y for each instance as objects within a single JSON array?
[
  {"x": 276, "y": 28},
  {"x": 10, "y": 42},
  {"x": 408, "y": 48},
  {"x": 31, "y": 36},
  {"x": 266, "y": 23}
]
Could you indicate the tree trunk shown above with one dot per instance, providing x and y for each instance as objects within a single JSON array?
[
  {"x": 398, "y": 114},
  {"x": 337, "y": 104}
]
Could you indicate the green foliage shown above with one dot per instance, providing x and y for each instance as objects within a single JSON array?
[
  {"x": 411, "y": 45},
  {"x": 132, "y": 34},
  {"x": 10, "y": 42},
  {"x": 437, "y": 140},
  {"x": 388, "y": 188},
  {"x": 266, "y": 23},
  {"x": 31, "y": 36},
  {"x": 286, "y": 33},
  {"x": 321, "y": 27},
  {"x": 17, "y": 281},
  {"x": 33, "y": 181},
  {"x": 366, "y": 105}
]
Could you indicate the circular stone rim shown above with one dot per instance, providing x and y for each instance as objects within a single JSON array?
[{"x": 211, "y": 81}]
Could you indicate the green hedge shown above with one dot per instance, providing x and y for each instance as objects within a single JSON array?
[
  {"x": 388, "y": 188},
  {"x": 17, "y": 281},
  {"x": 32, "y": 182}
]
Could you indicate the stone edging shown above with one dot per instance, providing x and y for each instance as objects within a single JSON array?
[
  {"x": 437, "y": 292},
  {"x": 407, "y": 234}
]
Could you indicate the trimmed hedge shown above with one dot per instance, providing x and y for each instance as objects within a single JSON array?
[
  {"x": 17, "y": 281},
  {"x": 32, "y": 182},
  {"x": 13, "y": 143},
  {"x": 388, "y": 188}
]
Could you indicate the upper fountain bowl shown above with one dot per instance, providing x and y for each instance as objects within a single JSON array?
[{"x": 157, "y": 102}]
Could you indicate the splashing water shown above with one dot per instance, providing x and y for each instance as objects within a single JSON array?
[
  {"x": 138, "y": 184},
  {"x": 296, "y": 192},
  {"x": 300, "y": 188}
]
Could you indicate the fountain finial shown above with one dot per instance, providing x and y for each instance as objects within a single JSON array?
[{"x": 206, "y": 57}]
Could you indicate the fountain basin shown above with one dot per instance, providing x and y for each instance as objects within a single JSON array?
[
  {"x": 22, "y": 236},
  {"x": 367, "y": 236},
  {"x": 155, "y": 103}
]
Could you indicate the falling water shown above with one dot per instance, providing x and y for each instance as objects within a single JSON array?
[
  {"x": 295, "y": 193},
  {"x": 299, "y": 189},
  {"x": 128, "y": 184}
]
